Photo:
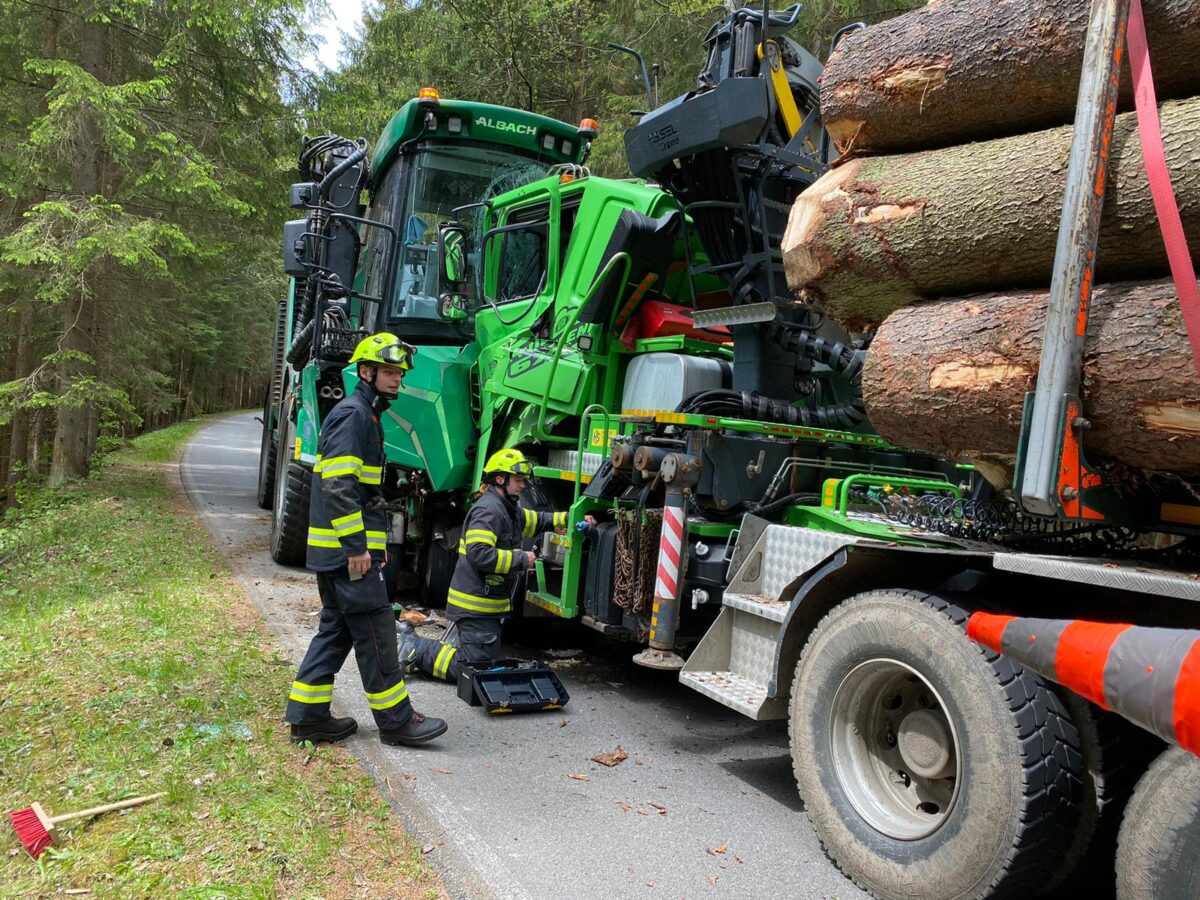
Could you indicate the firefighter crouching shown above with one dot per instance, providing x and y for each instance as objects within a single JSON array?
[
  {"x": 490, "y": 560},
  {"x": 347, "y": 548}
]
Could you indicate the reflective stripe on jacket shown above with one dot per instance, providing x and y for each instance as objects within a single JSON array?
[
  {"x": 346, "y": 514},
  {"x": 490, "y": 558}
]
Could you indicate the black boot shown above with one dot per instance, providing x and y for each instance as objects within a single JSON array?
[
  {"x": 416, "y": 730},
  {"x": 329, "y": 730}
]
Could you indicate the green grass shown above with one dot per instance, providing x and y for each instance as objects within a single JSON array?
[{"x": 132, "y": 663}]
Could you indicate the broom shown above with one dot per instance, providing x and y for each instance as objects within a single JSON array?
[{"x": 35, "y": 828}]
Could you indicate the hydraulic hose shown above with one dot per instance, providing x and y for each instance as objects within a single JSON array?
[
  {"x": 341, "y": 168},
  {"x": 760, "y": 408},
  {"x": 303, "y": 340}
]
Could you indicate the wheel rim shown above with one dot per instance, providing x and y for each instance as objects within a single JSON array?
[{"x": 895, "y": 752}]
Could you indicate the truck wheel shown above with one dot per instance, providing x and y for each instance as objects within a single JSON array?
[
  {"x": 1115, "y": 753},
  {"x": 1158, "y": 853},
  {"x": 930, "y": 767},
  {"x": 439, "y": 567},
  {"x": 266, "y": 458},
  {"x": 289, "y": 518}
]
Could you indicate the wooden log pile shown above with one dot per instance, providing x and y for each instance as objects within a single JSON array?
[
  {"x": 964, "y": 70},
  {"x": 944, "y": 246}
]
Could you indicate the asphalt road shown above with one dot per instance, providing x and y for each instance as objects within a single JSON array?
[{"x": 705, "y": 805}]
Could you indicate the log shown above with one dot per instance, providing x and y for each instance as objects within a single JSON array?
[
  {"x": 972, "y": 69},
  {"x": 951, "y": 376},
  {"x": 878, "y": 233}
]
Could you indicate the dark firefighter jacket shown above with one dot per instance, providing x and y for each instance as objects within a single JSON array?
[
  {"x": 489, "y": 554},
  {"x": 346, "y": 514}
]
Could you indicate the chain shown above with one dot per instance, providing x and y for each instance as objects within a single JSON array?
[
  {"x": 635, "y": 541},
  {"x": 1002, "y": 522}
]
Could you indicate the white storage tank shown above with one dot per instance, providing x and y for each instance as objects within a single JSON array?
[{"x": 661, "y": 381}]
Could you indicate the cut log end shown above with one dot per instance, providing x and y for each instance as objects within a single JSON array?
[{"x": 801, "y": 251}]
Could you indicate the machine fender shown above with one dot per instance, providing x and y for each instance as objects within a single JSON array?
[{"x": 851, "y": 570}]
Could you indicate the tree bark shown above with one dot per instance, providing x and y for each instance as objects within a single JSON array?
[
  {"x": 951, "y": 376},
  {"x": 38, "y": 437},
  {"x": 876, "y": 234},
  {"x": 72, "y": 433},
  {"x": 972, "y": 69},
  {"x": 19, "y": 443},
  {"x": 20, "y": 457}
]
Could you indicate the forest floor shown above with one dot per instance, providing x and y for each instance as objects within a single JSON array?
[{"x": 133, "y": 663}]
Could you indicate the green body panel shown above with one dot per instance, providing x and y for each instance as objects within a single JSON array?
[
  {"x": 527, "y": 377},
  {"x": 308, "y": 418},
  {"x": 481, "y": 122},
  {"x": 429, "y": 426}
]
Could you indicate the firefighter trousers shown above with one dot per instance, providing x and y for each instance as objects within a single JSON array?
[
  {"x": 471, "y": 640},
  {"x": 354, "y": 615}
]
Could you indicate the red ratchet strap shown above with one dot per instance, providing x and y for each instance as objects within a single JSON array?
[{"x": 1150, "y": 132}]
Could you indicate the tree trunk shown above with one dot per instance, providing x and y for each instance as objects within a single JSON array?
[
  {"x": 72, "y": 437},
  {"x": 878, "y": 233},
  {"x": 38, "y": 436},
  {"x": 19, "y": 443},
  {"x": 951, "y": 376},
  {"x": 972, "y": 69}
]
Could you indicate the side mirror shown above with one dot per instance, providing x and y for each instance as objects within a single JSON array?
[
  {"x": 294, "y": 262},
  {"x": 452, "y": 253}
]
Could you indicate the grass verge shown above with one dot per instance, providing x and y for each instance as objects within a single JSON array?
[{"x": 133, "y": 663}]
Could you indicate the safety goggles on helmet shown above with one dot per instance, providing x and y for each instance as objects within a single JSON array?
[
  {"x": 384, "y": 349},
  {"x": 509, "y": 462},
  {"x": 396, "y": 355}
]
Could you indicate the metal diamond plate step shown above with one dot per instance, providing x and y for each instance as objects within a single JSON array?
[
  {"x": 763, "y": 607},
  {"x": 734, "y": 662},
  {"x": 735, "y": 691}
]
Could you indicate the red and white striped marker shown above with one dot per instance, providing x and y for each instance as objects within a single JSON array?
[
  {"x": 1151, "y": 676},
  {"x": 670, "y": 546}
]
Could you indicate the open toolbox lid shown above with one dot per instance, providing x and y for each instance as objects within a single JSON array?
[{"x": 512, "y": 685}]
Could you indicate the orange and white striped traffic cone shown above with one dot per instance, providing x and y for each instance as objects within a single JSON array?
[{"x": 1151, "y": 676}]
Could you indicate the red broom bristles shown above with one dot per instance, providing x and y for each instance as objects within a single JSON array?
[{"x": 30, "y": 830}]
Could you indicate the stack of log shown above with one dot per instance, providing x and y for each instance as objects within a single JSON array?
[{"x": 937, "y": 227}]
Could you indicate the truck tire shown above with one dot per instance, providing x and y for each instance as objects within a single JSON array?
[
  {"x": 289, "y": 516},
  {"x": 439, "y": 568},
  {"x": 266, "y": 457},
  {"x": 931, "y": 767},
  {"x": 1158, "y": 852},
  {"x": 1115, "y": 753}
]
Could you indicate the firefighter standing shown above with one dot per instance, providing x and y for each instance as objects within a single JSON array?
[
  {"x": 490, "y": 560},
  {"x": 347, "y": 547}
]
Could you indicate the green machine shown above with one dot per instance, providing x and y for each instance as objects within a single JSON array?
[
  {"x": 637, "y": 340},
  {"x": 362, "y": 260}
]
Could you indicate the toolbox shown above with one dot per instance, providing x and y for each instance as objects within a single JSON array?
[{"x": 512, "y": 685}]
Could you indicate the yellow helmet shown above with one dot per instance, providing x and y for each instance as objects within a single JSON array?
[
  {"x": 508, "y": 462},
  {"x": 384, "y": 349}
]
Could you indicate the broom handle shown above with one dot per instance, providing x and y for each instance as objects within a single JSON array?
[{"x": 107, "y": 807}]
